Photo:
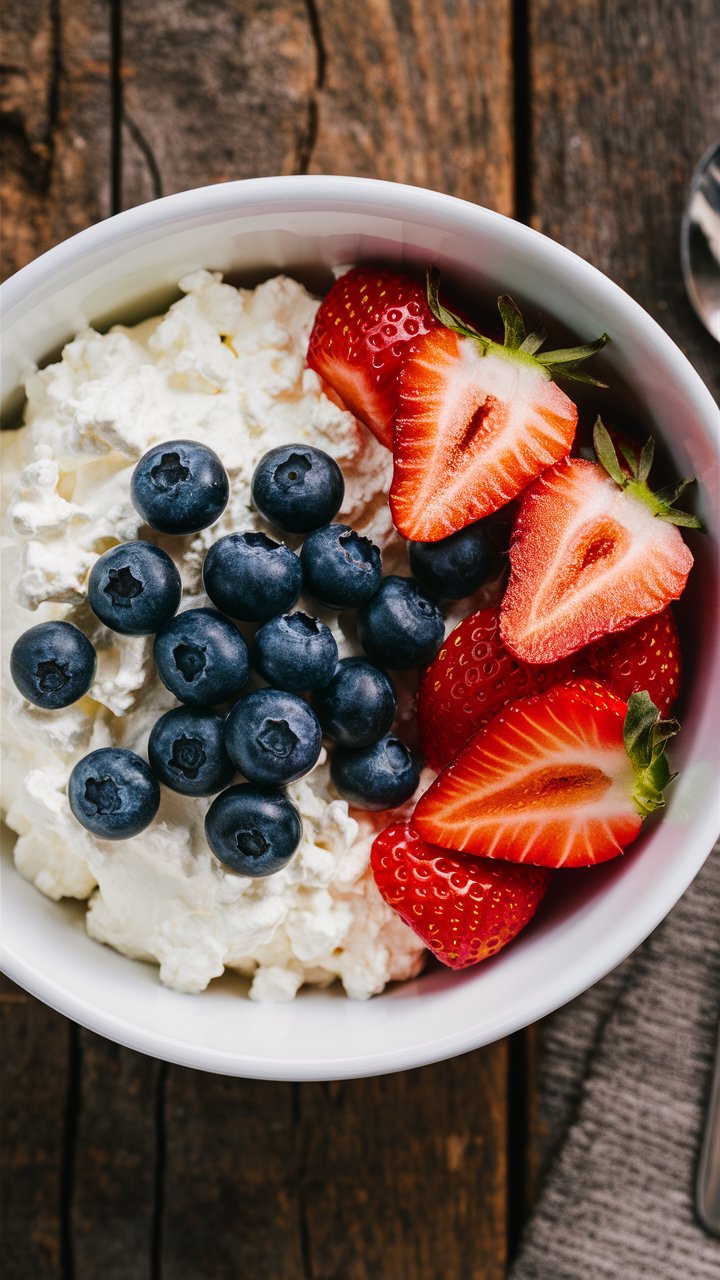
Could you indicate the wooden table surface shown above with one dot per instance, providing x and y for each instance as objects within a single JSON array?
[{"x": 583, "y": 118}]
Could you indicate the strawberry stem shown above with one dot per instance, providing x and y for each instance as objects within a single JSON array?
[
  {"x": 554, "y": 364},
  {"x": 635, "y": 484},
  {"x": 646, "y": 736}
]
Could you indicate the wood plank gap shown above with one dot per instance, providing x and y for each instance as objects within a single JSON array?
[
  {"x": 116, "y": 105},
  {"x": 307, "y": 145},
  {"x": 522, "y": 111},
  {"x": 67, "y": 1183},
  {"x": 156, "y": 1239}
]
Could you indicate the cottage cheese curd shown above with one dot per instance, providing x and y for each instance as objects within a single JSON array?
[{"x": 225, "y": 367}]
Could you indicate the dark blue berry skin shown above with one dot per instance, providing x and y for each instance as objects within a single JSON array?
[
  {"x": 253, "y": 831},
  {"x": 358, "y": 705},
  {"x": 113, "y": 793},
  {"x": 202, "y": 658},
  {"x": 295, "y": 652},
  {"x": 187, "y": 752},
  {"x": 400, "y": 627},
  {"x": 53, "y": 664},
  {"x": 455, "y": 566},
  {"x": 251, "y": 577},
  {"x": 134, "y": 588},
  {"x": 273, "y": 737},
  {"x": 180, "y": 487},
  {"x": 297, "y": 488},
  {"x": 380, "y": 776},
  {"x": 341, "y": 568}
]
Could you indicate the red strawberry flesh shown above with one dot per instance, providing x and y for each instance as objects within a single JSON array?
[
  {"x": 364, "y": 329},
  {"x": 469, "y": 681},
  {"x": 464, "y": 909},
  {"x": 587, "y": 559},
  {"x": 473, "y": 428},
  {"x": 646, "y": 656},
  {"x": 548, "y": 782}
]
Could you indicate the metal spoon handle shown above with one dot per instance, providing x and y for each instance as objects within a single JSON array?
[{"x": 708, "y": 1179}]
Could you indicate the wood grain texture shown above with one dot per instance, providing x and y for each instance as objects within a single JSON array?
[
  {"x": 625, "y": 98},
  {"x": 56, "y": 123},
  {"x": 34, "y": 1076},
  {"x": 417, "y": 91},
  {"x": 112, "y": 1218},
  {"x": 212, "y": 92},
  {"x": 404, "y": 1176},
  {"x": 230, "y": 1182}
]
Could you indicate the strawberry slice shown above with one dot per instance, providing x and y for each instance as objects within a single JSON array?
[
  {"x": 363, "y": 332},
  {"x": 560, "y": 779},
  {"x": 476, "y": 421},
  {"x": 593, "y": 551},
  {"x": 646, "y": 656},
  {"x": 464, "y": 909},
  {"x": 469, "y": 681}
]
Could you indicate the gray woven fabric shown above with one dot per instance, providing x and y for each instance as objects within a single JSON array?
[{"x": 625, "y": 1071}]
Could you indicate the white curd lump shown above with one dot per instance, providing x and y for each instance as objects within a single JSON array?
[{"x": 226, "y": 367}]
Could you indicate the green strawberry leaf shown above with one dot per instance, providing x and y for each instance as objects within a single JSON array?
[
  {"x": 533, "y": 342},
  {"x": 512, "y": 322},
  {"x": 446, "y": 317},
  {"x": 606, "y": 455},
  {"x": 646, "y": 736},
  {"x": 661, "y": 503}
]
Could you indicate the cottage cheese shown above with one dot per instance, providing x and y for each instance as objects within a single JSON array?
[{"x": 225, "y": 367}]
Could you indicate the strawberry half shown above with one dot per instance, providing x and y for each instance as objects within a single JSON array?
[
  {"x": 364, "y": 330},
  {"x": 476, "y": 421},
  {"x": 592, "y": 552},
  {"x": 561, "y": 779},
  {"x": 464, "y": 909},
  {"x": 647, "y": 656},
  {"x": 469, "y": 681}
]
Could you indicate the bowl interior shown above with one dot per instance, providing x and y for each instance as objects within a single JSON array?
[{"x": 128, "y": 268}]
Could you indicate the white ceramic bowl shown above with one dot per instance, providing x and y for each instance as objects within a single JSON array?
[{"x": 127, "y": 267}]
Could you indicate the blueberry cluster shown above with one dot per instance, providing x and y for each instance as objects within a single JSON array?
[{"x": 272, "y": 736}]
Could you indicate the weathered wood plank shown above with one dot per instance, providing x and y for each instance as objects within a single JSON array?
[
  {"x": 405, "y": 1175},
  {"x": 212, "y": 92},
  {"x": 625, "y": 98},
  {"x": 26, "y": 134},
  {"x": 79, "y": 1132},
  {"x": 113, "y": 1199},
  {"x": 417, "y": 91},
  {"x": 34, "y": 1077},
  {"x": 230, "y": 1185},
  {"x": 56, "y": 123}
]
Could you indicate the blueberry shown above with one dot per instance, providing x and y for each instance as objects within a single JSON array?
[
  {"x": 201, "y": 658},
  {"x": 113, "y": 793},
  {"x": 358, "y": 705},
  {"x": 187, "y": 752},
  {"x": 297, "y": 488},
  {"x": 400, "y": 627},
  {"x": 380, "y": 776},
  {"x": 250, "y": 577},
  {"x": 252, "y": 831},
  {"x": 134, "y": 588},
  {"x": 53, "y": 664},
  {"x": 273, "y": 737},
  {"x": 295, "y": 652},
  {"x": 455, "y": 566},
  {"x": 341, "y": 568},
  {"x": 180, "y": 486}
]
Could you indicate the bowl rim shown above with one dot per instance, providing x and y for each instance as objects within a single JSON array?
[{"x": 336, "y": 193}]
